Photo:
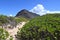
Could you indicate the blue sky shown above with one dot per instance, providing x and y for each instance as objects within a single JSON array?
[{"x": 11, "y": 7}]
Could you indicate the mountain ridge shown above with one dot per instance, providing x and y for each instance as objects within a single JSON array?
[{"x": 27, "y": 14}]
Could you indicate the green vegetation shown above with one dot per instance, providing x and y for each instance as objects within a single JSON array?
[
  {"x": 3, "y": 19},
  {"x": 3, "y": 34},
  {"x": 46, "y": 27},
  {"x": 20, "y": 19},
  {"x": 11, "y": 38}
]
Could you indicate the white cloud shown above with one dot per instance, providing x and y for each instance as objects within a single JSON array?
[
  {"x": 39, "y": 9},
  {"x": 10, "y": 15},
  {"x": 53, "y": 11}
]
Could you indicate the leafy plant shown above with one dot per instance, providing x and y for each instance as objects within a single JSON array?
[
  {"x": 3, "y": 34},
  {"x": 46, "y": 27},
  {"x": 11, "y": 38}
]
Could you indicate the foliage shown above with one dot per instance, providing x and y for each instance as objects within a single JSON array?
[
  {"x": 46, "y": 27},
  {"x": 3, "y": 34},
  {"x": 11, "y": 18},
  {"x": 3, "y": 19},
  {"x": 20, "y": 19},
  {"x": 11, "y": 38}
]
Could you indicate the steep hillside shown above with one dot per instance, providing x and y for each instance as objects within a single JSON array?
[
  {"x": 26, "y": 14},
  {"x": 46, "y": 27}
]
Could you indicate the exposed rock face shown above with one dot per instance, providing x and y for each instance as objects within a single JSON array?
[{"x": 25, "y": 13}]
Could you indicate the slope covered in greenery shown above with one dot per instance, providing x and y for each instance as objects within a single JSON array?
[
  {"x": 3, "y": 34},
  {"x": 20, "y": 19},
  {"x": 46, "y": 27},
  {"x": 5, "y": 19}
]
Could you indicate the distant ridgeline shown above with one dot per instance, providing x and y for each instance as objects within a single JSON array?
[{"x": 26, "y": 14}]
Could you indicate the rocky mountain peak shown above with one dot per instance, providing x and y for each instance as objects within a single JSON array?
[{"x": 27, "y": 14}]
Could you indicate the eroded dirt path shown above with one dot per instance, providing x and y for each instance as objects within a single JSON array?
[{"x": 13, "y": 32}]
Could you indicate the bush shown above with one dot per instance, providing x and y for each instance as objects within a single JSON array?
[
  {"x": 3, "y": 34},
  {"x": 21, "y": 19},
  {"x": 11, "y": 38},
  {"x": 3, "y": 19},
  {"x": 46, "y": 27}
]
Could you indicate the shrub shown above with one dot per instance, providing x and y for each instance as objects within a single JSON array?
[
  {"x": 46, "y": 27},
  {"x": 3, "y": 34},
  {"x": 11, "y": 38}
]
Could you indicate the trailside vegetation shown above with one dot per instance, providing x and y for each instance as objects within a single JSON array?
[
  {"x": 46, "y": 27},
  {"x": 3, "y": 34},
  {"x": 7, "y": 19}
]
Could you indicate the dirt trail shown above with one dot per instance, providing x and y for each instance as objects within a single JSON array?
[{"x": 13, "y": 32}]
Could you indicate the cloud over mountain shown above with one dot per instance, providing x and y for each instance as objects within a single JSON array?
[{"x": 39, "y": 9}]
